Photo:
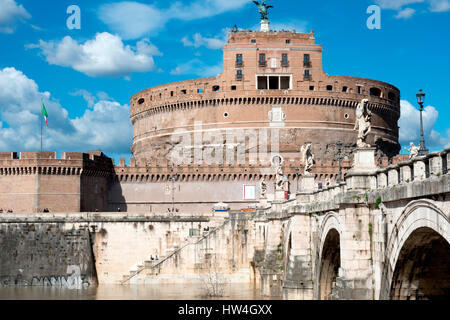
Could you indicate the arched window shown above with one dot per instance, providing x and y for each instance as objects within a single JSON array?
[
  {"x": 375, "y": 92},
  {"x": 391, "y": 96},
  {"x": 141, "y": 101},
  {"x": 216, "y": 88}
]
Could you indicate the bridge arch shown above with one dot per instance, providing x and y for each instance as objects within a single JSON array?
[
  {"x": 418, "y": 254},
  {"x": 329, "y": 256}
]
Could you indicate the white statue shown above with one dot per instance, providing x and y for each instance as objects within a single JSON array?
[
  {"x": 413, "y": 150},
  {"x": 363, "y": 123},
  {"x": 277, "y": 162},
  {"x": 263, "y": 187},
  {"x": 308, "y": 158}
]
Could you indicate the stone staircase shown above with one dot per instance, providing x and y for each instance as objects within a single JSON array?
[{"x": 151, "y": 266}]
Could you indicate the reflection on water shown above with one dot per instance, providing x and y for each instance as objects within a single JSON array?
[{"x": 147, "y": 292}]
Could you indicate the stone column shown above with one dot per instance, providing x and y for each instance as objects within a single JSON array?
[
  {"x": 355, "y": 277},
  {"x": 298, "y": 282}
]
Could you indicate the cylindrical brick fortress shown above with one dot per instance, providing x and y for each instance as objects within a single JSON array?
[{"x": 271, "y": 81}]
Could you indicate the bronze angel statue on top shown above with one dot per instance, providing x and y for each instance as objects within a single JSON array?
[{"x": 263, "y": 9}]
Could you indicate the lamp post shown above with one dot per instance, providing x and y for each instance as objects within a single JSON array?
[
  {"x": 339, "y": 148},
  {"x": 420, "y": 99},
  {"x": 173, "y": 178}
]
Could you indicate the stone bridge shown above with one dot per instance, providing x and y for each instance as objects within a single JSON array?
[{"x": 382, "y": 234}]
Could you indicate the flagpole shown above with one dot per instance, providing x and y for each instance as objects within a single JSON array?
[{"x": 41, "y": 122}]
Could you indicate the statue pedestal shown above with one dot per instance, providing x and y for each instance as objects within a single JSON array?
[
  {"x": 280, "y": 195},
  {"x": 263, "y": 203},
  {"x": 362, "y": 175},
  {"x": 307, "y": 184},
  {"x": 265, "y": 26},
  {"x": 364, "y": 159}
]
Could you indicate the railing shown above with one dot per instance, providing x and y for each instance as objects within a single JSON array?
[
  {"x": 285, "y": 64},
  {"x": 307, "y": 77},
  {"x": 262, "y": 63},
  {"x": 307, "y": 64},
  {"x": 239, "y": 77},
  {"x": 239, "y": 64}
]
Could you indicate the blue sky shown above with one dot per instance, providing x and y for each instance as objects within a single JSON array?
[{"x": 86, "y": 77}]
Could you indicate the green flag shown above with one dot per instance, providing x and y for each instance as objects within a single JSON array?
[{"x": 45, "y": 114}]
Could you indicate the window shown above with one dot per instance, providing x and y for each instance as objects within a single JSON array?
[
  {"x": 344, "y": 89},
  {"x": 274, "y": 82},
  {"x": 239, "y": 75},
  {"x": 311, "y": 88},
  {"x": 284, "y": 60},
  {"x": 225, "y": 115},
  {"x": 329, "y": 88},
  {"x": 262, "y": 83},
  {"x": 199, "y": 90},
  {"x": 171, "y": 93},
  {"x": 359, "y": 89},
  {"x": 375, "y": 92},
  {"x": 285, "y": 83},
  {"x": 184, "y": 91},
  {"x": 233, "y": 88},
  {"x": 288, "y": 41},
  {"x": 262, "y": 59},
  {"x": 391, "y": 96},
  {"x": 215, "y": 88},
  {"x": 239, "y": 61},
  {"x": 253, "y": 41},
  {"x": 249, "y": 192},
  {"x": 306, "y": 61},
  {"x": 307, "y": 75},
  {"x": 141, "y": 101}
]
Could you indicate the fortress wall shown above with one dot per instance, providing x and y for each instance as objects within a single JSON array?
[
  {"x": 45, "y": 254},
  {"x": 196, "y": 197},
  {"x": 60, "y": 193},
  {"x": 18, "y": 193},
  {"x": 109, "y": 247}
]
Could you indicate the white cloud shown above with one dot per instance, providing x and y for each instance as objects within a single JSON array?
[
  {"x": 104, "y": 56},
  {"x": 106, "y": 126},
  {"x": 409, "y": 124},
  {"x": 196, "y": 67},
  {"x": 214, "y": 43},
  {"x": 132, "y": 20},
  {"x": 405, "y": 13},
  {"x": 10, "y": 14},
  {"x": 439, "y": 5},
  {"x": 433, "y": 6}
]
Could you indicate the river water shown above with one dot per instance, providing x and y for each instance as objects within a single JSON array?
[{"x": 141, "y": 292}]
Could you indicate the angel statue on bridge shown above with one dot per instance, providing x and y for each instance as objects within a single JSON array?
[
  {"x": 263, "y": 9},
  {"x": 308, "y": 158},
  {"x": 413, "y": 150},
  {"x": 363, "y": 123}
]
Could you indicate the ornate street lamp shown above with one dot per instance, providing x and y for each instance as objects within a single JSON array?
[
  {"x": 339, "y": 148},
  {"x": 173, "y": 178},
  {"x": 420, "y": 99}
]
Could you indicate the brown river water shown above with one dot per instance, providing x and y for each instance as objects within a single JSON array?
[{"x": 141, "y": 292}]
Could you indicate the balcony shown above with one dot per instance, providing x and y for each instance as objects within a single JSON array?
[
  {"x": 239, "y": 77},
  {"x": 285, "y": 64},
  {"x": 307, "y": 77},
  {"x": 239, "y": 64},
  {"x": 263, "y": 63},
  {"x": 307, "y": 64}
]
